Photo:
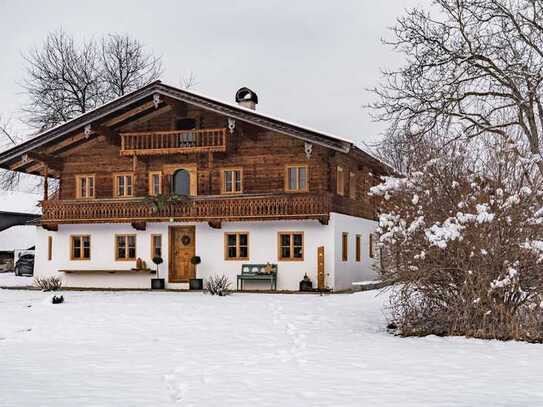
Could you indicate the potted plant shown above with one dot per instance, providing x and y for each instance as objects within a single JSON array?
[
  {"x": 157, "y": 283},
  {"x": 306, "y": 284},
  {"x": 196, "y": 283},
  {"x": 159, "y": 202}
]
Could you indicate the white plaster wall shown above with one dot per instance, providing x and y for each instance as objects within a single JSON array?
[
  {"x": 102, "y": 256},
  {"x": 209, "y": 246},
  {"x": 263, "y": 249},
  {"x": 345, "y": 273}
]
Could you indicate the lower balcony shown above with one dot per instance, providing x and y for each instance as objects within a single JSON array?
[{"x": 212, "y": 209}]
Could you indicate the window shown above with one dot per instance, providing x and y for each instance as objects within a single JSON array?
[
  {"x": 80, "y": 247},
  {"x": 156, "y": 246},
  {"x": 232, "y": 181},
  {"x": 155, "y": 183},
  {"x": 124, "y": 185},
  {"x": 296, "y": 178},
  {"x": 291, "y": 246},
  {"x": 236, "y": 246},
  {"x": 181, "y": 182},
  {"x": 84, "y": 186},
  {"x": 357, "y": 248},
  {"x": 340, "y": 180},
  {"x": 125, "y": 247},
  {"x": 50, "y": 248},
  {"x": 345, "y": 247},
  {"x": 352, "y": 185}
]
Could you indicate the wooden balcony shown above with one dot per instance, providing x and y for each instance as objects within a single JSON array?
[
  {"x": 173, "y": 142},
  {"x": 197, "y": 209}
]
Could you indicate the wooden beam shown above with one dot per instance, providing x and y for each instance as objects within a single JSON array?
[
  {"x": 179, "y": 108},
  {"x": 215, "y": 224},
  {"x": 32, "y": 155},
  {"x": 130, "y": 113},
  {"x": 323, "y": 220},
  {"x": 37, "y": 169},
  {"x": 139, "y": 225},
  {"x": 52, "y": 227},
  {"x": 45, "y": 183},
  {"x": 51, "y": 161},
  {"x": 36, "y": 160},
  {"x": 19, "y": 164},
  {"x": 67, "y": 142}
]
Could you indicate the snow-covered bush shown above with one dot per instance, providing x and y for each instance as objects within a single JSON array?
[
  {"x": 218, "y": 285},
  {"x": 465, "y": 252},
  {"x": 51, "y": 283}
]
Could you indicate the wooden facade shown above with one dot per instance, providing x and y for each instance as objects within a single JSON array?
[{"x": 146, "y": 138}]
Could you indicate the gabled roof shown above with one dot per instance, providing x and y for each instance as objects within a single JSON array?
[{"x": 204, "y": 102}]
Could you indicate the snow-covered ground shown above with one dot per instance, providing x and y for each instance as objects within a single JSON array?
[
  {"x": 11, "y": 280},
  {"x": 191, "y": 349}
]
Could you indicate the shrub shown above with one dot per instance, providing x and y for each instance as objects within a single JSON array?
[
  {"x": 466, "y": 253},
  {"x": 51, "y": 283},
  {"x": 218, "y": 285}
]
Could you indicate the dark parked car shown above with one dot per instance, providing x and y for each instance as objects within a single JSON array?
[{"x": 25, "y": 265}]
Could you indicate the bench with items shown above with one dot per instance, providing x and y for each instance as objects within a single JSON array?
[{"x": 258, "y": 272}]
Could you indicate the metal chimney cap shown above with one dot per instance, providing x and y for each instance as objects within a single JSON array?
[{"x": 246, "y": 95}]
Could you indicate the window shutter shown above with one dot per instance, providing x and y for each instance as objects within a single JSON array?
[
  {"x": 193, "y": 182},
  {"x": 168, "y": 180}
]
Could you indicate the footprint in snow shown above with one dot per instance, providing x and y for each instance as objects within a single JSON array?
[{"x": 176, "y": 386}]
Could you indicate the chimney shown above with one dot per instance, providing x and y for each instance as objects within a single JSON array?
[{"x": 245, "y": 97}]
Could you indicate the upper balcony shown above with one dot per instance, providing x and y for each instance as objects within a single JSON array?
[{"x": 173, "y": 142}]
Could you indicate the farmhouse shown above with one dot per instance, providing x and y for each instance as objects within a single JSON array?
[{"x": 167, "y": 172}]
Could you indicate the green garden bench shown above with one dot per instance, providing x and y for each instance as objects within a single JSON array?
[{"x": 257, "y": 272}]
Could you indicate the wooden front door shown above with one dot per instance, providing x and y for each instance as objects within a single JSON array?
[
  {"x": 182, "y": 249},
  {"x": 320, "y": 267}
]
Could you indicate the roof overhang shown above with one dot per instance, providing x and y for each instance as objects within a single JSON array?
[{"x": 157, "y": 88}]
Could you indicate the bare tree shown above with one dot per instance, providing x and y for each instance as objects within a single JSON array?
[
  {"x": 126, "y": 66},
  {"x": 66, "y": 78},
  {"x": 188, "y": 81},
  {"x": 474, "y": 69},
  {"x": 62, "y": 80},
  {"x": 8, "y": 179}
]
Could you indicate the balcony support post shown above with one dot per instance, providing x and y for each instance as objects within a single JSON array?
[{"x": 45, "y": 182}]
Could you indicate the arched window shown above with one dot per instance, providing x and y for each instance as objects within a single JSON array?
[{"x": 181, "y": 183}]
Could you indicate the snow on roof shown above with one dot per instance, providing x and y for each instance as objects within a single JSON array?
[
  {"x": 21, "y": 237},
  {"x": 20, "y": 202},
  {"x": 262, "y": 114}
]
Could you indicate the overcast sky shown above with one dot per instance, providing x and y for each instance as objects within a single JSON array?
[{"x": 309, "y": 61}]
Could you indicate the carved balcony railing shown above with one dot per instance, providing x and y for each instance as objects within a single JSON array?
[
  {"x": 173, "y": 142},
  {"x": 197, "y": 209}
]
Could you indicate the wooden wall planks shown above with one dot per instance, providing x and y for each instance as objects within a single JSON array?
[{"x": 262, "y": 154}]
